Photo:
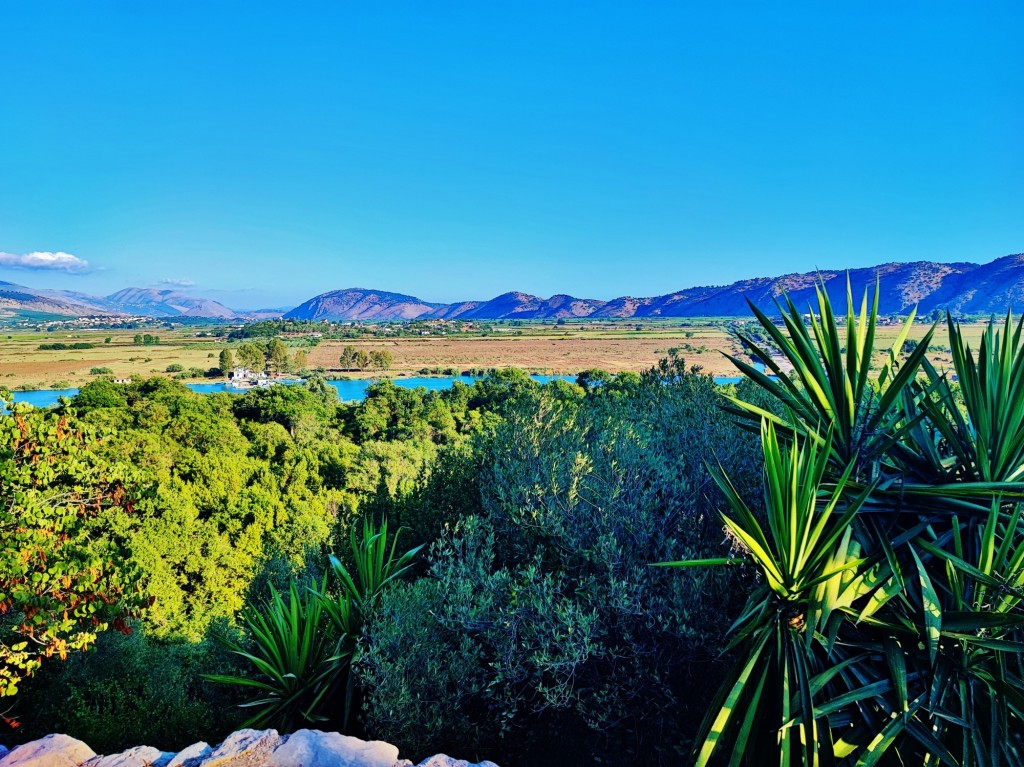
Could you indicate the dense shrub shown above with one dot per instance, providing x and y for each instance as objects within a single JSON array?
[
  {"x": 540, "y": 614},
  {"x": 133, "y": 690},
  {"x": 64, "y": 346}
]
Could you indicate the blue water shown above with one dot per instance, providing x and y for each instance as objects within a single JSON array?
[{"x": 352, "y": 390}]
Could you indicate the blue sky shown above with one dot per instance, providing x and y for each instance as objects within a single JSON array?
[{"x": 262, "y": 154}]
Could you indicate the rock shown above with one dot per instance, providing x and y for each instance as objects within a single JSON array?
[
  {"x": 443, "y": 760},
  {"x": 51, "y": 751},
  {"x": 245, "y": 748},
  {"x": 191, "y": 756},
  {"x": 313, "y": 748},
  {"x": 140, "y": 756}
]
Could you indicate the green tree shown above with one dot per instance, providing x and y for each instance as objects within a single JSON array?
[
  {"x": 277, "y": 356},
  {"x": 61, "y": 581},
  {"x": 381, "y": 359},
  {"x": 349, "y": 358},
  {"x": 227, "y": 361},
  {"x": 251, "y": 356},
  {"x": 301, "y": 360}
]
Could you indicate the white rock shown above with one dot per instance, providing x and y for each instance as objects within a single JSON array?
[
  {"x": 443, "y": 760},
  {"x": 245, "y": 748},
  {"x": 51, "y": 751},
  {"x": 313, "y": 748},
  {"x": 191, "y": 756},
  {"x": 140, "y": 756}
]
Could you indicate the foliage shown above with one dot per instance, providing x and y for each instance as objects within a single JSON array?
[
  {"x": 296, "y": 657},
  {"x": 301, "y": 649},
  {"x": 60, "y": 346},
  {"x": 131, "y": 689},
  {"x": 543, "y": 600},
  {"x": 888, "y": 628},
  {"x": 59, "y": 587}
]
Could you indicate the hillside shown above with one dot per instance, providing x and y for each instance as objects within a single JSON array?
[
  {"x": 961, "y": 287},
  {"x": 168, "y": 303},
  {"x": 362, "y": 304},
  {"x": 964, "y": 288},
  {"x": 18, "y": 299}
]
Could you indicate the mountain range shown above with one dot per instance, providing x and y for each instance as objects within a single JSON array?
[{"x": 964, "y": 288}]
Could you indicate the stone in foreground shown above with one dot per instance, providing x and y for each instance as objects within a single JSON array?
[
  {"x": 191, "y": 756},
  {"x": 443, "y": 760},
  {"x": 313, "y": 748},
  {"x": 51, "y": 751},
  {"x": 245, "y": 748},
  {"x": 140, "y": 756}
]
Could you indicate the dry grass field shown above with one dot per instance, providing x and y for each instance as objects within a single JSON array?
[{"x": 546, "y": 348}]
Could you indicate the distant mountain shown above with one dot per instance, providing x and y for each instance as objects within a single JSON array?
[
  {"x": 17, "y": 299},
  {"x": 146, "y": 302},
  {"x": 362, "y": 304},
  {"x": 964, "y": 288},
  {"x": 961, "y": 287},
  {"x": 168, "y": 303}
]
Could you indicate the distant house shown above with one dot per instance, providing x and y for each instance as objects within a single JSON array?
[{"x": 243, "y": 378}]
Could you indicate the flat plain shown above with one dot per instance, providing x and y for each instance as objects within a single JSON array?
[{"x": 537, "y": 347}]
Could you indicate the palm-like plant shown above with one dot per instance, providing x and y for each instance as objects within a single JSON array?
[
  {"x": 893, "y": 637},
  {"x": 834, "y": 388},
  {"x": 807, "y": 561},
  {"x": 301, "y": 649},
  {"x": 297, "y": 657},
  {"x": 376, "y": 567}
]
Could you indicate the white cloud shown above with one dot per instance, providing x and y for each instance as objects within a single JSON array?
[
  {"x": 63, "y": 262},
  {"x": 169, "y": 282}
]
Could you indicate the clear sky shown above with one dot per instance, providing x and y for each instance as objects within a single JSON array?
[{"x": 265, "y": 153}]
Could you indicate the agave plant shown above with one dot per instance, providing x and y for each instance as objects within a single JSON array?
[
  {"x": 806, "y": 558},
  {"x": 834, "y": 389},
  {"x": 301, "y": 650},
  {"x": 296, "y": 655},
  {"x": 896, "y": 636},
  {"x": 376, "y": 566}
]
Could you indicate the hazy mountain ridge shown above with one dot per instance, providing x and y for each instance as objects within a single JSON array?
[
  {"x": 168, "y": 303},
  {"x": 963, "y": 287},
  {"x": 145, "y": 302}
]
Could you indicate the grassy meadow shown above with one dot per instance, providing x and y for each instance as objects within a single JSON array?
[{"x": 544, "y": 347}]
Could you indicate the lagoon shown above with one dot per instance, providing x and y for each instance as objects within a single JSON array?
[{"x": 349, "y": 391}]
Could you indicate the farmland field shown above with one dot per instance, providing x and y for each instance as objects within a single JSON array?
[{"x": 538, "y": 347}]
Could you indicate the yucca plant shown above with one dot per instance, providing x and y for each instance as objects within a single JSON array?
[
  {"x": 807, "y": 561},
  {"x": 903, "y": 643},
  {"x": 301, "y": 649},
  {"x": 971, "y": 668},
  {"x": 376, "y": 566},
  {"x": 834, "y": 389},
  {"x": 297, "y": 657}
]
